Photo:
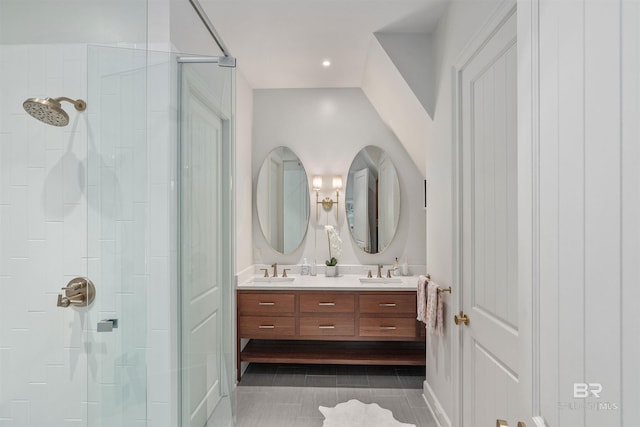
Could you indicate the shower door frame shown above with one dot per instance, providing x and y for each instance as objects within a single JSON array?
[{"x": 226, "y": 354}]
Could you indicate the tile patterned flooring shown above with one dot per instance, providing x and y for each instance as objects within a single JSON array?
[{"x": 272, "y": 395}]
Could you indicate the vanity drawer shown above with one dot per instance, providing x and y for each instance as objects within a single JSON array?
[
  {"x": 387, "y": 327},
  {"x": 388, "y": 303},
  {"x": 327, "y": 326},
  {"x": 266, "y": 303},
  {"x": 266, "y": 326},
  {"x": 327, "y": 302}
]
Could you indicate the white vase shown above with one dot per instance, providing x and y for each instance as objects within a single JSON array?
[{"x": 331, "y": 271}]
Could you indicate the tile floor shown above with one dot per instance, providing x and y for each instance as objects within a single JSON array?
[{"x": 289, "y": 395}]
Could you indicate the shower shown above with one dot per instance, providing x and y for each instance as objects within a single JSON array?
[{"x": 49, "y": 111}]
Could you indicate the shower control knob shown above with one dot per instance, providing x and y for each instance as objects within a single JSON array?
[
  {"x": 79, "y": 292},
  {"x": 63, "y": 301}
]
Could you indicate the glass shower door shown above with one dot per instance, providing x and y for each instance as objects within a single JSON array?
[
  {"x": 205, "y": 259},
  {"x": 117, "y": 197}
]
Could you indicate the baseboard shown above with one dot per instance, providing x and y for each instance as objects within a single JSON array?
[{"x": 442, "y": 420}]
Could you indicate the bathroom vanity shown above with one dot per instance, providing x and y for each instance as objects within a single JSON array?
[{"x": 318, "y": 320}]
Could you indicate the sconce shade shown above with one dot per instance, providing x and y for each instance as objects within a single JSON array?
[
  {"x": 337, "y": 182},
  {"x": 317, "y": 182}
]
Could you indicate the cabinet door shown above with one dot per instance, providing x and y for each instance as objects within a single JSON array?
[
  {"x": 387, "y": 327},
  {"x": 256, "y": 303},
  {"x": 266, "y": 327},
  {"x": 327, "y": 326},
  {"x": 327, "y": 302},
  {"x": 388, "y": 303}
]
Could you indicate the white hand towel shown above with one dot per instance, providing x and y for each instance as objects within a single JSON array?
[
  {"x": 432, "y": 303},
  {"x": 421, "y": 299}
]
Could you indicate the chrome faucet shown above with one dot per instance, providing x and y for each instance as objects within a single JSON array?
[
  {"x": 275, "y": 269},
  {"x": 379, "y": 276}
]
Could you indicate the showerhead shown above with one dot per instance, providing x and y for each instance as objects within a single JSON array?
[{"x": 49, "y": 111}]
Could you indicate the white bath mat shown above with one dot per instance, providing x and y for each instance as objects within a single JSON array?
[{"x": 357, "y": 414}]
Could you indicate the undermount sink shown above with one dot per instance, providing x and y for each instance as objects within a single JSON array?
[
  {"x": 273, "y": 279},
  {"x": 380, "y": 280}
]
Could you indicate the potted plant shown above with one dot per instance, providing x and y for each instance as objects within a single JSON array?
[{"x": 335, "y": 249}]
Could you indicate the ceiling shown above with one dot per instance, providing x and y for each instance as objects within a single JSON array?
[{"x": 282, "y": 43}]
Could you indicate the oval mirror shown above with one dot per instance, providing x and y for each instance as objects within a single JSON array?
[
  {"x": 372, "y": 200},
  {"x": 282, "y": 200}
]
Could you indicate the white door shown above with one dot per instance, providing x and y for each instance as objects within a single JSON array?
[
  {"x": 388, "y": 202},
  {"x": 200, "y": 254},
  {"x": 361, "y": 208},
  {"x": 295, "y": 204},
  {"x": 491, "y": 342}
]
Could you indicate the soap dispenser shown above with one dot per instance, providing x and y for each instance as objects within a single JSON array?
[
  {"x": 313, "y": 270},
  {"x": 304, "y": 269}
]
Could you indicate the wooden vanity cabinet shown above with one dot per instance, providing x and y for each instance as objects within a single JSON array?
[{"x": 353, "y": 327}]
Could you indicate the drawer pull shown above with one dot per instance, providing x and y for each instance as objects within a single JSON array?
[
  {"x": 388, "y": 304},
  {"x": 388, "y": 328},
  {"x": 266, "y": 327},
  {"x": 326, "y": 327},
  {"x": 266, "y": 303},
  {"x": 327, "y": 303}
]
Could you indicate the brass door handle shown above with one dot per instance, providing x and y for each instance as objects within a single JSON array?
[
  {"x": 503, "y": 423},
  {"x": 463, "y": 318}
]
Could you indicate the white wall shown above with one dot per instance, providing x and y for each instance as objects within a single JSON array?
[
  {"x": 43, "y": 21},
  {"x": 589, "y": 207},
  {"x": 188, "y": 33},
  {"x": 455, "y": 29},
  {"x": 398, "y": 106},
  {"x": 243, "y": 181},
  {"x": 326, "y": 128},
  {"x": 412, "y": 54}
]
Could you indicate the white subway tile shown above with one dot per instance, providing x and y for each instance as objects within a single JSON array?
[
  {"x": 139, "y": 249},
  {"x": 159, "y": 226},
  {"x": 73, "y": 178},
  {"x": 159, "y": 293},
  {"x": 16, "y": 227},
  {"x": 53, "y": 202},
  {"x": 161, "y": 155},
  {"x": 33, "y": 209},
  {"x": 20, "y": 413},
  {"x": 159, "y": 361}
]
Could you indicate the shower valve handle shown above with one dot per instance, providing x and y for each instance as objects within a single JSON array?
[
  {"x": 79, "y": 292},
  {"x": 63, "y": 301}
]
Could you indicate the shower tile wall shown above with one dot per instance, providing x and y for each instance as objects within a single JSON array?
[
  {"x": 45, "y": 373},
  {"x": 43, "y": 220},
  {"x": 162, "y": 252}
]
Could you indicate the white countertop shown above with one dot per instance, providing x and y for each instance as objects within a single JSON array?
[{"x": 347, "y": 282}]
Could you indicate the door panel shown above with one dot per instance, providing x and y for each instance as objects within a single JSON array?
[
  {"x": 205, "y": 225},
  {"x": 491, "y": 359},
  {"x": 200, "y": 250},
  {"x": 361, "y": 209}
]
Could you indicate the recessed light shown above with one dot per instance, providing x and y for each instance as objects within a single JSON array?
[{"x": 326, "y": 63}]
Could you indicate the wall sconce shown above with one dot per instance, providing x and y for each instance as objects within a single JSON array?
[{"x": 327, "y": 202}]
